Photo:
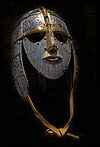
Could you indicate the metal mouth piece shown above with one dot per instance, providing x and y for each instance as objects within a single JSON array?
[{"x": 54, "y": 56}]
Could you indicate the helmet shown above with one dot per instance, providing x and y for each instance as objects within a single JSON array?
[{"x": 44, "y": 38}]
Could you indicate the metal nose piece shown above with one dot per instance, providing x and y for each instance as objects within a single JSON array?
[{"x": 52, "y": 50}]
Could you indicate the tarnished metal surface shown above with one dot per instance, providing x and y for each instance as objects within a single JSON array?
[
  {"x": 50, "y": 55},
  {"x": 18, "y": 70},
  {"x": 42, "y": 37},
  {"x": 51, "y": 70}
]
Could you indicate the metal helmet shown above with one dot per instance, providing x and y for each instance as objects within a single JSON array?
[{"x": 46, "y": 41}]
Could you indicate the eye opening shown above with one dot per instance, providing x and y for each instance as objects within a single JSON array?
[
  {"x": 36, "y": 37},
  {"x": 62, "y": 37}
]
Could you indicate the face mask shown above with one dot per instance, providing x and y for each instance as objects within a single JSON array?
[{"x": 47, "y": 43}]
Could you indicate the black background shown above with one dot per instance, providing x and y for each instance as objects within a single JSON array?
[{"x": 81, "y": 18}]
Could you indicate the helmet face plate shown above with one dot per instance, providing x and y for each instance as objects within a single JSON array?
[{"x": 52, "y": 68}]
